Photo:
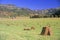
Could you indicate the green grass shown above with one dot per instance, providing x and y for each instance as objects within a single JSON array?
[{"x": 13, "y": 29}]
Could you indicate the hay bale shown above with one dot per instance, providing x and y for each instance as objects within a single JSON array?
[
  {"x": 33, "y": 28},
  {"x": 27, "y": 29},
  {"x": 46, "y": 31}
]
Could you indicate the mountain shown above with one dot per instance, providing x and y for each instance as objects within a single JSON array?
[{"x": 10, "y": 10}]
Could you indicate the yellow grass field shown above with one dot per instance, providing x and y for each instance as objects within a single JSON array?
[{"x": 13, "y": 29}]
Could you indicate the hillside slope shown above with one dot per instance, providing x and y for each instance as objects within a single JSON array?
[{"x": 10, "y": 10}]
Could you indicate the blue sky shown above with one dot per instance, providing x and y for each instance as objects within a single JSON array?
[{"x": 33, "y": 4}]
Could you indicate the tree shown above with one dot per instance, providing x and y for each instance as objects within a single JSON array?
[{"x": 57, "y": 13}]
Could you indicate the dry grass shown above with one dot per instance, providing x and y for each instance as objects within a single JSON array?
[{"x": 12, "y": 29}]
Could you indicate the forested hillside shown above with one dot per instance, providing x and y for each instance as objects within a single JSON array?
[{"x": 10, "y": 10}]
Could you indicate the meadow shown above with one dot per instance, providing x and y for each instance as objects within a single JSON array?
[{"x": 13, "y": 29}]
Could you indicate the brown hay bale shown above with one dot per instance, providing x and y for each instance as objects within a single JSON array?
[
  {"x": 46, "y": 31},
  {"x": 27, "y": 29},
  {"x": 33, "y": 28}
]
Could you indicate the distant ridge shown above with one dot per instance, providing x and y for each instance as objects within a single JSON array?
[{"x": 7, "y": 10}]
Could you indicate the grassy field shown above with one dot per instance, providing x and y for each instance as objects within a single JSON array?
[{"x": 13, "y": 29}]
